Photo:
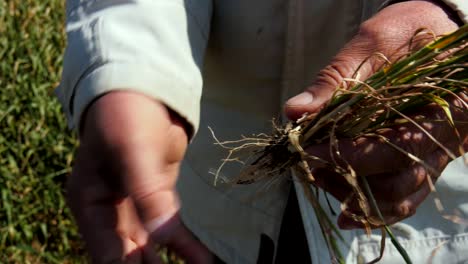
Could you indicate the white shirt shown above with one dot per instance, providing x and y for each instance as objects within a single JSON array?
[{"x": 235, "y": 50}]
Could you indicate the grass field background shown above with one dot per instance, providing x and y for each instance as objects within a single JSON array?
[{"x": 36, "y": 148}]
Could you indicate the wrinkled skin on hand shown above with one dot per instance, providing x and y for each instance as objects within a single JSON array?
[
  {"x": 124, "y": 178},
  {"x": 399, "y": 185}
]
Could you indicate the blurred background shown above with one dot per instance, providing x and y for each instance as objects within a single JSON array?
[{"x": 36, "y": 147}]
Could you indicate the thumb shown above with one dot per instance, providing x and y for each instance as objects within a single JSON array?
[{"x": 353, "y": 60}]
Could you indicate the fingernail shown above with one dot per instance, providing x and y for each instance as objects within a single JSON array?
[{"x": 304, "y": 98}]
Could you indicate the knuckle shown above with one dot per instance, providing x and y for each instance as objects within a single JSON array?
[
  {"x": 382, "y": 37},
  {"x": 371, "y": 31},
  {"x": 332, "y": 75},
  {"x": 350, "y": 62}
]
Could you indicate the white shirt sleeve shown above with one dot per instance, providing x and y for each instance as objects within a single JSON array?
[
  {"x": 155, "y": 47},
  {"x": 461, "y": 7}
]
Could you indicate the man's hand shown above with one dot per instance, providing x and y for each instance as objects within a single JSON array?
[
  {"x": 398, "y": 184},
  {"x": 122, "y": 189}
]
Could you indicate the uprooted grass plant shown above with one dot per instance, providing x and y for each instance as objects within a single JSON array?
[{"x": 432, "y": 76}]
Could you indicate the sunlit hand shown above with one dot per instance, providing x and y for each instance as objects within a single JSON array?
[
  {"x": 122, "y": 189},
  {"x": 398, "y": 183}
]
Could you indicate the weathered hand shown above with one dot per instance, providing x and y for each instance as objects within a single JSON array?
[
  {"x": 122, "y": 189},
  {"x": 399, "y": 185}
]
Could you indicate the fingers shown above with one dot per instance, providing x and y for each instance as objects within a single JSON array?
[
  {"x": 139, "y": 154},
  {"x": 141, "y": 255},
  {"x": 367, "y": 156},
  {"x": 125, "y": 174},
  {"x": 392, "y": 212},
  {"x": 173, "y": 233},
  {"x": 92, "y": 205},
  {"x": 148, "y": 167},
  {"x": 332, "y": 182},
  {"x": 113, "y": 231},
  {"x": 189, "y": 247},
  {"x": 387, "y": 187},
  {"x": 397, "y": 195},
  {"x": 109, "y": 226},
  {"x": 391, "y": 149}
]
